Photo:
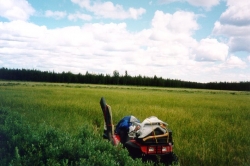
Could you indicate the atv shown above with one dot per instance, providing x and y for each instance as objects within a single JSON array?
[{"x": 152, "y": 142}]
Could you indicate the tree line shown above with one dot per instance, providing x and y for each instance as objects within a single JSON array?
[{"x": 115, "y": 79}]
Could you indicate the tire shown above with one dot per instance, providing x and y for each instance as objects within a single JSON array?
[{"x": 170, "y": 159}]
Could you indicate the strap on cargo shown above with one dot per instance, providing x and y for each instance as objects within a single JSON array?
[
  {"x": 153, "y": 132},
  {"x": 156, "y": 136}
]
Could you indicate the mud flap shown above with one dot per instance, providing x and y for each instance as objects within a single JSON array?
[{"x": 108, "y": 121}]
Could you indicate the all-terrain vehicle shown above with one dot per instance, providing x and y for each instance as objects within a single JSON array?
[{"x": 153, "y": 141}]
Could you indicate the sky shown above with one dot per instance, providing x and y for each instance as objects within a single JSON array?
[{"x": 189, "y": 40}]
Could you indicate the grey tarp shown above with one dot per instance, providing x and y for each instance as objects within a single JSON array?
[{"x": 149, "y": 125}]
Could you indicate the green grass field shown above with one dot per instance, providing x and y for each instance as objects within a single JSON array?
[{"x": 209, "y": 127}]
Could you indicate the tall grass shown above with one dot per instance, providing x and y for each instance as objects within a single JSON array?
[{"x": 209, "y": 127}]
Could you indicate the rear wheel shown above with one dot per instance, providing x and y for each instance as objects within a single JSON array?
[
  {"x": 170, "y": 159},
  {"x": 133, "y": 149}
]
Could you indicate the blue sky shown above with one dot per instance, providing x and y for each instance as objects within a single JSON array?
[{"x": 191, "y": 40}]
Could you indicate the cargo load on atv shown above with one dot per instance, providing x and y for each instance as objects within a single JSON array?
[{"x": 153, "y": 131}]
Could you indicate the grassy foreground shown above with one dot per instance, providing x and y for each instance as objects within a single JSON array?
[{"x": 209, "y": 127}]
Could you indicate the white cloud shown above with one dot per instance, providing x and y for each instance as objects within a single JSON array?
[
  {"x": 92, "y": 44},
  {"x": 109, "y": 10},
  {"x": 234, "y": 24},
  {"x": 55, "y": 14},
  {"x": 239, "y": 43},
  {"x": 20, "y": 30},
  {"x": 82, "y": 3},
  {"x": 203, "y": 3},
  {"x": 169, "y": 1},
  {"x": 230, "y": 30},
  {"x": 166, "y": 49},
  {"x": 248, "y": 58},
  {"x": 16, "y": 9},
  {"x": 80, "y": 16},
  {"x": 211, "y": 50},
  {"x": 167, "y": 43},
  {"x": 136, "y": 13},
  {"x": 72, "y": 16},
  {"x": 236, "y": 13},
  {"x": 179, "y": 25},
  {"x": 234, "y": 62},
  {"x": 87, "y": 46}
]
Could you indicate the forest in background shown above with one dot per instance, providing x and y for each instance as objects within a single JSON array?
[{"x": 115, "y": 79}]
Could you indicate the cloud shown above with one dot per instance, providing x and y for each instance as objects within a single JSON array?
[
  {"x": 47, "y": 49},
  {"x": 237, "y": 13},
  {"x": 239, "y": 43},
  {"x": 165, "y": 49},
  {"x": 211, "y": 50},
  {"x": 16, "y": 9},
  {"x": 72, "y": 16},
  {"x": 82, "y": 3},
  {"x": 136, "y": 13},
  {"x": 81, "y": 16},
  {"x": 177, "y": 25},
  {"x": 234, "y": 62},
  {"x": 234, "y": 24},
  {"x": 203, "y": 3},
  {"x": 20, "y": 30},
  {"x": 55, "y": 14},
  {"x": 169, "y": 1},
  {"x": 230, "y": 30},
  {"x": 91, "y": 45},
  {"x": 168, "y": 42},
  {"x": 248, "y": 58},
  {"x": 109, "y": 10}
]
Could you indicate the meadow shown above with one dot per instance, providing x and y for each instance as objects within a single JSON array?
[{"x": 209, "y": 127}]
